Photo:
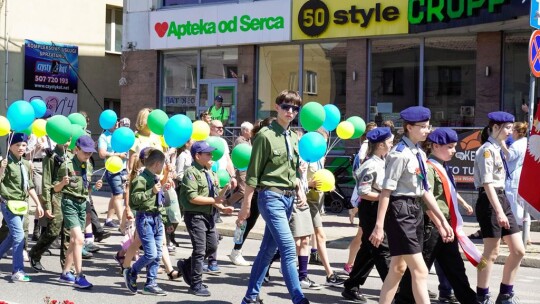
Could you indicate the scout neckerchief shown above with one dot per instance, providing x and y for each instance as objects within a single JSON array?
[
  {"x": 211, "y": 190},
  {"x": 471, "y": 252},
  {"x": 422, "y": 169},
  {"x": 84, "y": 175}
]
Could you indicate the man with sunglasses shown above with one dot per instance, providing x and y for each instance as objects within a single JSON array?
[
  {"x": 218, "y": 112},
  {"x": 273, "y": 171}
]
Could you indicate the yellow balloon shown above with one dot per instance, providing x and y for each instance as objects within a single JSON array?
[
  {"x": 5, "y": 126},
  {"x": 114, "y": 164},
  {"x": 345, "y": 130},
  {"x": 201, "y": 130},
  {"x": 326, "y": 179},
  {"x": 38, "y": 127},
  {"x": 163, "y": 143}
]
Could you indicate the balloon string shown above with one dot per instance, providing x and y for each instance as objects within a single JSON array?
[
  {"x": 332, "y": 145},
  {"x": 10, "y": 137}
]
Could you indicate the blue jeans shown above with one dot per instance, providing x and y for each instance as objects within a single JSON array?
[
  {"x": 276, "y": 210},
  {"x": 15, "y": 238},
  {"x": 150, "y": 230}
]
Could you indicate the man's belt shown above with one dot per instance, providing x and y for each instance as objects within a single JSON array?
[{"x": 283, "y": 191}]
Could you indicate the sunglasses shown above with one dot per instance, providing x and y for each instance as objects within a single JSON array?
[{"x": 287, "y": 107}]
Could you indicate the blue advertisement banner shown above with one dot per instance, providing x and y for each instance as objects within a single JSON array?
[{"x": 50, "y": 66}]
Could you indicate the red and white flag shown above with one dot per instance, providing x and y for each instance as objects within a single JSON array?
[{"x": 528, "y": 182}]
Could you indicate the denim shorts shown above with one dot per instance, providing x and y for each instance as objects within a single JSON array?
[{"x": 116, "y": 181}]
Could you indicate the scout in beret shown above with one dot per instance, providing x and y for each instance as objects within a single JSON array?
[
  {"x": 15, "y": 188},
  {"x": 493, "y": 210},
  {"x": 441, "y": 146},
  {"x": 404, "y": 185},
  {"x": 369, "y": 177}
]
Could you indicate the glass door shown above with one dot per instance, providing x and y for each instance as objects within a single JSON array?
[{"x": 227, "y": 89}]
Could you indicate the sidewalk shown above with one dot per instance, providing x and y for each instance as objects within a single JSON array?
[{"x": 340, "y": 232}]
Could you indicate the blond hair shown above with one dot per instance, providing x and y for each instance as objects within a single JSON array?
[{"x": 142, "y": 118}]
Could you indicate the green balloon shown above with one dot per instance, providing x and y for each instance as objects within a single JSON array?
[
  {"x": 58, "y": 128},
  {"x": 241, "y": 155},
  {"x": 77, "y": 119},
  {"x": 312, "y": 116},
  {"x": 157, "y": 120},
  {"x": 223, "y": 177},
  {"x": 359, "y": 126},
  {"x": 27, "y": 131},
  {"x": 217, "y": 143},
  {"x": 76, "y": 132}
]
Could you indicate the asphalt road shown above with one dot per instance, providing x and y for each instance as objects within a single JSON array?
[{"x": 228, "y": 287}]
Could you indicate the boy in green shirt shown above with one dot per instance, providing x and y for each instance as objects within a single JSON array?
[
  {"x": 198, "y": 196},
  {"x": 73, "y": 181}
]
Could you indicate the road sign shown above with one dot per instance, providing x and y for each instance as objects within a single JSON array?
[
  {"x": 535, "y": 14},
  {"x": 534, "y": 53}
]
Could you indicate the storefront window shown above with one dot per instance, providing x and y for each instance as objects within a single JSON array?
[
  {"x": 394, "y": 78},
  {"x": 180, "y": 83},
  {"x": 325, "y": 73},
  {"x": 278, "y": 71},
  {"x": 219, "y": 63},
  {"x": 450, "y": 80},
  {"x": 516, "y": 75}
]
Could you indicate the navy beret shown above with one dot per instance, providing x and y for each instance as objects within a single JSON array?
[
  {"x": 15, "y": 138},
  {"x": 415, "y": 114},
  {"x": 501, "y": 117},
  {"x": 443, "y": 136},
  {"x": 378, "y": 134}
]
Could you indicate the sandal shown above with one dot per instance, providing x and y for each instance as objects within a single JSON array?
[
  {"x": 476, "y": 236},
  {"x": 173, "y": 275}
]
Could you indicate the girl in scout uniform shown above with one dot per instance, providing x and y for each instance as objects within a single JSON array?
[
  {"x": 15, "y": 187},
  {"x": 400, "y": 214},
  {"x": 493, "y": 211},
  {"x": 369, "y": 177},
  {"x": 73, "y": 182},
  {"x": 441, "y": 144}
]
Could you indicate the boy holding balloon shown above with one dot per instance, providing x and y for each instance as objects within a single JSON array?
[
  {"x": 73, "y": 181},
  {"x": 199, "y": 194}
]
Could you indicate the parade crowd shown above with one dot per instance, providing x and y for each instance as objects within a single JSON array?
[{"x": 405, "y": 198}]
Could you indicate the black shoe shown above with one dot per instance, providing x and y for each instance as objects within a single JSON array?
[
  {"x": 200, "y": 290},
  {"x": 354, "y": 295},
  {"x": 250, "y": 301},
  {"x": 181, "y": 264},
  {"x": 506, "y": 298},
  {"x": 448, "y": 299},
  {"x": 98, "y": 237},
  {"x": 36, "y": 265},
  {"x": 484, "y": 299}
]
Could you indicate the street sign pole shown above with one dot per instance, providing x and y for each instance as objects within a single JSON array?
[{"x": 527, "y": 224}]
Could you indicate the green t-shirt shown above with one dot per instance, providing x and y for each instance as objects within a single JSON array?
[
  {"x": 195, "y": 184},
  {"x": 221, "y": 114},
  {"x": 11, "y": 182}
]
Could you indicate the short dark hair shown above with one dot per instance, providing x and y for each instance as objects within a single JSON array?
[{"x": 287, "y": 96}]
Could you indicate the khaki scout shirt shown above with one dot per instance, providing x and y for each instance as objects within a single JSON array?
[
  {"x": 50, "y": 175},
  {"x": 403, "y": 175},
  {"x": 270, "y": 165},
  {"x": 488, "y": 165},
  {"x": 11, "y": 186},
  {"x": 141, "y": 195},
  {"x": 74, "y": 168},
  {"x": 437, "y": 189},
  {"x": 370, "y": 175},
  {"x": 195, "y": 184}
]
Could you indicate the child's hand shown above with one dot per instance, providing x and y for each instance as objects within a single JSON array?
[
  {"x": 167, "y": 186},
  {"x": 227, "y": 210},
  {"x": 3, "y": 164},
  {"x": 156, "y": 188},
  {"x": 170, "y": 229},
  {"x": 39, "y": 211},
  {"x": 65, "y": 180},
  {"x": 49, "y": 214},
  {"x": 98, "y": 184}
]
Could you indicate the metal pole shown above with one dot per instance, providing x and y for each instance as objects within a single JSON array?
[
  {"x": 6, "y": 49},
  {"x": 532, "y": 98}
]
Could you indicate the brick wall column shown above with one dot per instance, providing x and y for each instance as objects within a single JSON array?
[
  {"x": 246, "y": 91},
  {"x": 356, "y": 104},
  {"x": 488, "y": 88}
]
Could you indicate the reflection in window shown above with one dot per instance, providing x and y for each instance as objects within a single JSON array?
[
  {"x": 219, "y": 63},
  {"x": 311, "y": 83},
  {"x": 450, "y": 80},
  {"x": 394, "y": 78},
  {"x": 180, "y": 82},
  {"x": 516, "y": 74}
]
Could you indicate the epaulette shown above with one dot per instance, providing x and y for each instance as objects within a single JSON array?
[{"x": 400, "y": 146}]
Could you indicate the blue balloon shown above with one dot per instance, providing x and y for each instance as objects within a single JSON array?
[
  {"x": 122, "y": 139},
  {"x": 215, "y": 166},
  {"x": 20, "y": 115},
  {"x": 107, "y": 119},
  {"x": 312, "y": 147},
  {"x": 178, "y": 130},
  {"x": 39, "y": 107},
  {"x": 333, "y": 116}
]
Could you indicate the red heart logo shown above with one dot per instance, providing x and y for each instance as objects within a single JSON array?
[{"x": 161, "y": 28}]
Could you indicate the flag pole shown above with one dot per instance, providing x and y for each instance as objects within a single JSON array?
[{"x": 532, "y": 98}]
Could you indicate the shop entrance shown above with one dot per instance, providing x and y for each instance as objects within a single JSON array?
[{"x": 226, "y": 88}]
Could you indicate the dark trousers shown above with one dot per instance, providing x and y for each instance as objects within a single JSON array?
[
  {"x": 251, "y": 220},
  {"x": 54, "y": 226},
  {"x": 202, "y": 231},
  {"x": 368, "y": 255},
  {"x": 449, "y": 258}
]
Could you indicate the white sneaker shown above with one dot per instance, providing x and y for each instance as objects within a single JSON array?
[
  {"x": 25, "y": 256},
  {"x": 237, "y": 258}
]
